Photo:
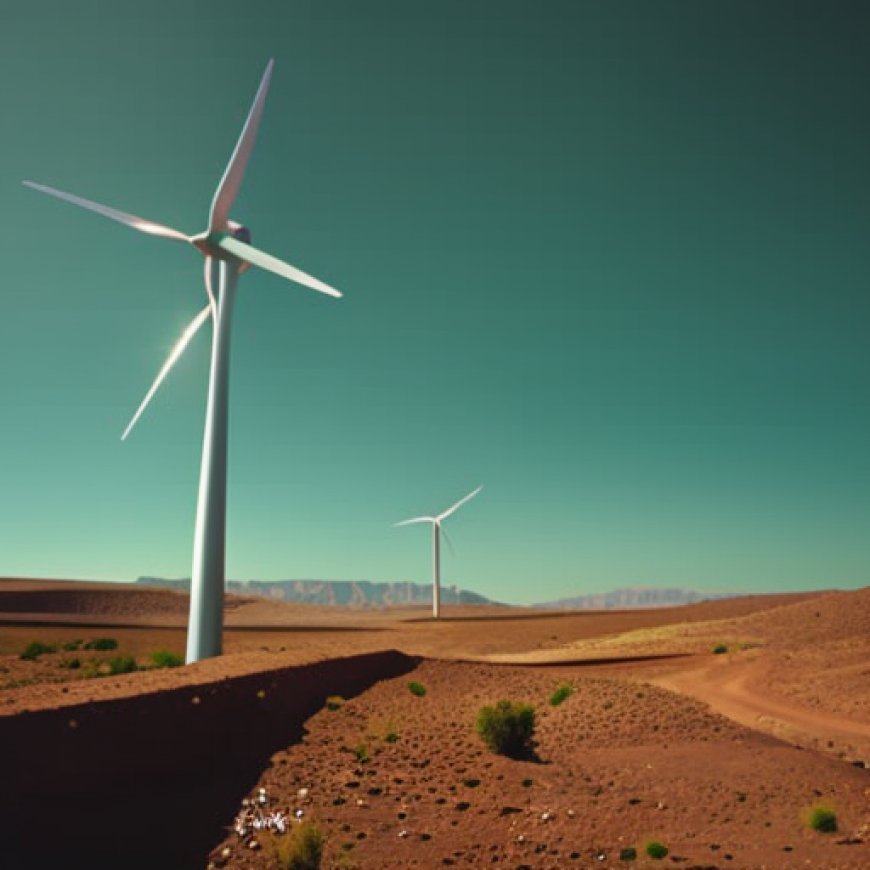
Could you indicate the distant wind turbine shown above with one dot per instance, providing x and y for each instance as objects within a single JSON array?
[
  {"x": 228, "y": 252},
  {"x": 436, "y": 546}
]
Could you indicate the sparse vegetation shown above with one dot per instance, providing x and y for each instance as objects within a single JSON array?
[
  {"x": 507, "y": 728},
  {"x": 628, "y": 854},
  {"x": 163, "y": 658},
  {"x": 391, "y": 736},
  {"x": 102, "y": 644},
  {"x": 72, "y": 664},
  {"x": 656, "y": 850},
  {"x": 122, "y": 665},
  {"x": 35, "y": 649},
  {"x": 527, "y": 783},
  {"x": 301, "y": 848},
  {"x": 72, "y": 645},
  {"x": 417, "y": 689},
  {"x": 561, "y": 694},
  {"x": 361, "y": 751},
  {"x": 334, "y": 702},
  {"x": 820, "y": 817},
  {"x": 719, "y": 649}
]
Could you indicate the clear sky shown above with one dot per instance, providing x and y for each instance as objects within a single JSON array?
[{"x": 609, "y": 259}]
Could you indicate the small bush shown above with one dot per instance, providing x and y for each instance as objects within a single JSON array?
[
  {"x": 629, "y": 854},
  {"x": 361, "y": 751},
  {"x": 822, "y": 818},
  {"x": 656, "y": 850},
  {"x": 417, "y": 689},
  {"x": 72, "y": 645},
  {"x": 507, "y": 728},
  {"x": 719, "y": 649},
  {"x": 561, "y": 694},
  {"x": 72, "y": 664},
  {"x": 122, "y": 665},
  {"x": 35, "y": 649},
  {"x": 391, "y": 736},
  {"x": 102, "y": 644},
  {"x": 301, "y": 848},
  {"x": 165, "y": 659},
  {"x": 334, "y": 702}
]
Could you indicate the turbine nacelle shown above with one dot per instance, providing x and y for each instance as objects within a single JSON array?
[{"x": 209, "y": 242}]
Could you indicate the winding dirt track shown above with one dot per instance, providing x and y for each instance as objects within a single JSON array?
[{"x": 727, "y": 687}]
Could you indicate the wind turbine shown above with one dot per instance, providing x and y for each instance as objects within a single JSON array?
[
  {"x": 436, "y": 546},
  {"x": 228, "y": 252}
]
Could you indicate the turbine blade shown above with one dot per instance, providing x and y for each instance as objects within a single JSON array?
[
  {"x": 458, "y": 504},
  {"x": 120, "y": 216},
  {"x": 175, "y": 353},
  {"x": 414, "y": 520},
  {"x": 449, "y": 542},
  {"x": 229, "y": 186},
  {"x": 272, "y": 264}
]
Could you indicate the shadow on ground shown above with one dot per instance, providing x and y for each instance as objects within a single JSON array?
[{"x": 151, "y": 781}]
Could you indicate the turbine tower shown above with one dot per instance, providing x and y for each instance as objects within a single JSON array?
[
  {"x": 436, "y": 546},
  {"x": 226, "y": 247}
]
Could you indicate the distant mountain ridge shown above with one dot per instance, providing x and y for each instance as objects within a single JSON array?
[
  {"x": 635, "y": 598},
  {"x": 340, "y": 593},
  {"x": 373, "y": 593}
]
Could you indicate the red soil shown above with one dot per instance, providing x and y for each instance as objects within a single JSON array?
[{"x": 151, "y": 766}]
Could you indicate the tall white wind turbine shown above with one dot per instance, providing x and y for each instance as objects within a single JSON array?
[
  {"x": 436, "y": 545},
  {"x": 228, "y": 252}
]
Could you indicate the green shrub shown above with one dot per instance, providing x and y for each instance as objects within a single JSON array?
[
  {"x": 334, "y": 702},
  {"x": 561, "y": 694},
  {"x": 656, "y": 850},
  {"x": 822, "y": 818},
  {"x": 507, "y": 728},
  {"x": 361, "y": 751},
  {"x": 391, "y": 736},
  {"x": 301, "y": 848},
  {"x": 71, "y": 645},
  {"x": 719, "y": 649},
  {"x": 122, "y": 665},
  {"x": 72, "y": 664},
  {"x": 165, "y": 659},
  {"x": 629, "y": 854},
  {"x": 102, "y": 644},
  {"x": 417, "y": 689},
  {"x": 35, "y": 649}
]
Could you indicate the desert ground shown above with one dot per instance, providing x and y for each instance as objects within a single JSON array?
[{"x": 719, "y": 756}]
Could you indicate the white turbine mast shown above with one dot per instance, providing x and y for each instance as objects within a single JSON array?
[
  {"x": 436, "y": 545},
  {"x": 228, "y": 252}
]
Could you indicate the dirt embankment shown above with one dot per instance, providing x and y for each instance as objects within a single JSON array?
[{"x": 151, "y": 781}]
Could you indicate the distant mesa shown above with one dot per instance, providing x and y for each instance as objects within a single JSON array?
[
  {"x": 635, "y": 597},
  {"x": 373, "y": 593},
  {"x": 340, "y": 593}
]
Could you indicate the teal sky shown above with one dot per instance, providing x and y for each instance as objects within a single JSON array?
[{"x": 609, "y": 259}]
